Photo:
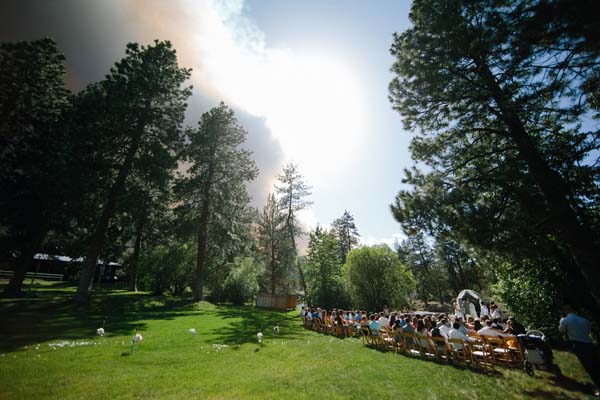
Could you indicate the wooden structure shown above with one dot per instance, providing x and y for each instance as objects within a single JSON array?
[{"x": 276, "y": 301}]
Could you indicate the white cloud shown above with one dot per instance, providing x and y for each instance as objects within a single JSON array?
[
  {"x": 312, "y": 102},
  {"x": 390, "y": 241}
]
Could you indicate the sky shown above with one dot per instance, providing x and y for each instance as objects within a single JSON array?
[{"x": 307, "y": 79}]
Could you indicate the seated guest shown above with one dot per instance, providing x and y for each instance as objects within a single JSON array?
[
  {"x": 393, "y": 318},
  {"x": 364, "y": 321},
  {"x": 497, "y": 324},
  {"x": 415, "y": 322},
  {"x": 384, "y": 322},
  {"x": 423, "y": 335},
  {"x": 437, "y": 333},
  {"x": 513, "y": 327},
  {"x": 403, "y": 320},
  {"x": 456, "y": 333},
  {"x": 477, "y": 325},
  {"x": 444, "y": 327},
  {"x": 470, "y": 322},
  {"x": 374, "y": 325},
  {"x": 408, "y": 328},
  {"x": 488, "y": 330},
  {"x": 308, "y": 315},
  {"x": 427, "y": 323},
  {"x": 463, "y": 328}
]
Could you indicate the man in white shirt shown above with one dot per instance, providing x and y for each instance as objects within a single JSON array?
[
  {"x": 578, "y": 330},
  {"x": 444, "y": 328},
  {"x": 384, "y": 322},
  {"x": 487, "y": 330},
  {"x": 456, "y": 333}
]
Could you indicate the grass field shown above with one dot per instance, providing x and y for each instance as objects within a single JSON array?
[{"x": 223, "y": 360}]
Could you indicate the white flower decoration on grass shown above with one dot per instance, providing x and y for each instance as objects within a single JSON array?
[
  {"x": 276, "y": 329},
  {"x": 100, "y": 331},
  {"x": 138, "y": 337},
  {"x": 192, "y": 331},
  {"x": 259, "y": 336}
]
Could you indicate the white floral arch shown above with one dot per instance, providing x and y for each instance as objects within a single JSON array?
[{"x": 464, "y": 307}]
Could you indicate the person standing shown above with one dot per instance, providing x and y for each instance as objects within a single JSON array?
[
  {"x": 485, "y": 311},
  {"x": 578, "y": 330}
]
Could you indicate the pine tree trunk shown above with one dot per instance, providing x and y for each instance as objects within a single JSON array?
[
  {"x": 290, "y": 226},
  {"x": 570, "y": 227},
  {"x": 272, "y": 267},
  {"x": 24, "y": 263},
  {"x": 88, "y": 268},
  {"x": 201, "y": 254},
  {"x": 133, "y": 265},
  {"x": 203, "y": 237}
]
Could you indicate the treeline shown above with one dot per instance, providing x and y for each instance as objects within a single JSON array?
[
  {"x": 112, "y": 173},
  {"x": 503, "y": 97}
]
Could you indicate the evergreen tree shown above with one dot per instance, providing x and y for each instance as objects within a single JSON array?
[
  {"x": 324, "y": 271},
  {"x": 273, "y": 245},
  {"x": 212, "y": 192},
  {"x": 142, "y": 103},
  {"x": 346, "y": 233},
  {"x": 35, "y": 151},
  {"x": 499, "y": 115},
  {"x": 292, "y": 191}
]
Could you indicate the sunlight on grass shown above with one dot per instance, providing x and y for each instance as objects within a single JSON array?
[{"x": 223, "y": 360}]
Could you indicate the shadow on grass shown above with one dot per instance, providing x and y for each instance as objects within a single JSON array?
[
  {"x": 48, "y": 314},
  {"x": 246, "y": 322},
  {"x": 572, "y": 385}
]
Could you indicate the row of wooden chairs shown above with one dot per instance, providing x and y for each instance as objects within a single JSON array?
[
  {"x": 479, "y": 351},
  {"x": 482, "y": 352},
  {"x": 329, "y": 327}
]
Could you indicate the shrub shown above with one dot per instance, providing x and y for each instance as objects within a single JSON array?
[
  {"x": 168, "y": 268},
  {"x": 376, "y": 277}
]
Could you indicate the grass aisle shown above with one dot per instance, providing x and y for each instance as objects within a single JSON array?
[{"x": 49, "y": 350}]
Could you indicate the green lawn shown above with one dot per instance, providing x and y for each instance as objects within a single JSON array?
[{"x": 170, "y": 363}]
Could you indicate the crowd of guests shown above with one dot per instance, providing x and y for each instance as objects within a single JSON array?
[{"x": 425, "y": 326}]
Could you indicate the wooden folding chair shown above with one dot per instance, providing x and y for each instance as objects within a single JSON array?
[
  {"x": 499, "y": 352},
  {"x": 401, "y": 344},
  {"x": 411, "y": 346},
  {"x": 329, "y": 328},
  {"x": 443, "y": 350},
  {"x": 459, "y": 351},
  {"x": 377, "y": 337},
  {"x": 367, "y": 338},
  {"x": 426, "y": 347},
  {"x": 387, "y": 336},
  {"x": 480, "y": 353},
  {"x": 318, "y": 325},
  {"x": 515, "y": 350}
]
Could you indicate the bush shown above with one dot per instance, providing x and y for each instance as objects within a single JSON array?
[
  {"x": 532, "y": 292},
  {"x": 236, "y": 282},
  {"x": 376, "y": 277},
  {"x": 241, "y": 284},
  {"x": 168, "y": 268}
]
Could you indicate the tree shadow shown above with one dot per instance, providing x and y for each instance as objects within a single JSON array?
[
  {"x": 250, "y": 320},
  {"x": 50, "y": 315},
  {"x": 572, "y": 385}
]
